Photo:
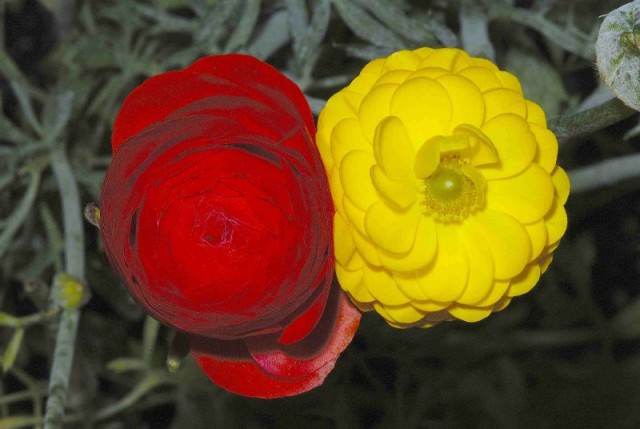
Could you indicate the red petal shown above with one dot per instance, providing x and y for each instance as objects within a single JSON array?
[
  {"x": 245, "y": 70},
  {"x": 307, "y": 321},
  {"x": 238, "y": 373},
  {"x": 231, "y": 78},
  {"x": 280, "y": 370},
  {"x": 331, "y": 336}
]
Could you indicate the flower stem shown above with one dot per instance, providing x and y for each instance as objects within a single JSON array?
[
  {"x": 587, "y": 121},
  {"x": 74, "y": 266},
  {"x": 604, "y": 173}
]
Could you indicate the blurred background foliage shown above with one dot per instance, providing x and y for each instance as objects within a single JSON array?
[{"x": 566, "y": 355}]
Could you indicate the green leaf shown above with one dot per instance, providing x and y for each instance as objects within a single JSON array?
[
  {"x": 10, "y": 354},
  {"x": 7, "y": 320},
  {"x": 126, "y": 364}
]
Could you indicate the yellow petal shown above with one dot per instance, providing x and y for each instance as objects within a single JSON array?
[
  {"x": 374, "y": 108},
  {"x": 503, "y": 100},
  {"x": 509, "y": 81},
  {"x": 561, "y": 184},
  {"x": 524, "y": 282},
  {"x": 399, "y": 193},
  {"x": 421, "y": 253},
  {"x": 337, "y": 192},
  {"x": 344, "y": 247},
  {"x": 351, "y": 282},
  {"x": 428, "y": 72},
  {"x": 429, "y": 306},
  {"x": 392, "y": 230},
  {"x": 535, "y": 114},
  {"x": 368, "y": 75},
  {"x": 547, "y": 153},
  {"x": 502, "y": 304},
  {"x": 427, "y": 158},
  {"x": 527, "y": 197},
  {"x": 355, "y": 262},
  {"x": 393, "y": 77},
  {"x": 496, "y": 293},
  {"x": 424, "y": 107},
  {"x": 401, "y": 315},
  {"x": 481, "y": 150},
  {"x": 538, "y": 235},
  {"x": 462, "y": 61},
  {"x": 436, "y": 317},
  {"x": 484, "y": 63},
  {"x": 366, "y": 249},
  {"x": 514, "y": 142},
  {"x": 355, "y": 178},
  {"x": 383, "y": 288},
  {"x": 481, "y": 264},
  {"x": 334, "y": 111},
  {"x": 443, "y": 58},
  {"x": 423, "y": 52},
  {"x": 508, "y": 240},
  {"x": 353, "y": 98},
  {"x": 466, "y": 100},
  {"x": 346, "y": 137},
  {"x": 446, "y": 278},
  {"x": 353, "y": 215},
  {"x": 454, "y": 143},
  {"x": 544, "y": 265},
  {"x": 479, "y": 183},
  {"x": 556, "y": 222},
  {"x": 483, "y": 78},
  {"x": 408, "y": 283},
  {"x": 468, "y": 313},
  {"x": 393, "y": 150},
  {"x": 402, "y": 60}
]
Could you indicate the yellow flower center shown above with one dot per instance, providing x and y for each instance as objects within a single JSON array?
[{"x": 449, "y": 194}]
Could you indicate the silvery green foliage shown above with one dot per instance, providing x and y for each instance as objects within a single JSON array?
[{"x": 618, "y": 53}]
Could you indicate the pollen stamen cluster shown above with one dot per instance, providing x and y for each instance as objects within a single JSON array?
[{"x": 449, "y": 195}]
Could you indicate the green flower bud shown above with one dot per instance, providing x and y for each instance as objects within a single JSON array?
[{"x": 618, "y": 53}]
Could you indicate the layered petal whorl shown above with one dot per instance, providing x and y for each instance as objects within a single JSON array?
[{"x": 448, "y": 198}]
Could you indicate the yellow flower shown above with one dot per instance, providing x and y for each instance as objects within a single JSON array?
[{"x": 447, "y": 194}]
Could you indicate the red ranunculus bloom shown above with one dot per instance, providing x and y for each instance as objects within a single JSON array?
[{"x": 216, "y": 214}]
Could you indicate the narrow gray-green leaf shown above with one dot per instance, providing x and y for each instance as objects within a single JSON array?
[
  {"x": 11, "y": 133},
  {"x": 474, "y": 30},
  {"x": 298, "y": 19},
  {"x": 20, "y": 213},
  {"x": 306, "y": 47},
  {"x": 395, "y": 19},
  {"x": 168, "y": 22},
  {"x": 540, "y": 81},
  {"x": 59, "y": 113},
  {"x": 26, "y": 107},
  {"x": 365, "y": 26},
  {"x": 246, "y": 26},
  {"x": 272, "y": 36}
]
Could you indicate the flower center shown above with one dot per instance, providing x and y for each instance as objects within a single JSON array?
[{"x": 452, "y": 192}]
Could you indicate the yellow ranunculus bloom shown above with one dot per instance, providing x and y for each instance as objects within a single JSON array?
[{"x": 448, "y": 199}]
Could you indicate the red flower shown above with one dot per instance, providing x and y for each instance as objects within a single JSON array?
[{"x": 216, "y": 213}]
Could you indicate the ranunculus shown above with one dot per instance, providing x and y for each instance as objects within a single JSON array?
[
  {"x": 448, "y": 198},
  {"x": 216, "y": 214}
]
